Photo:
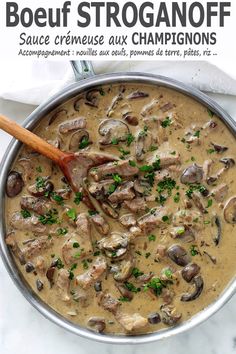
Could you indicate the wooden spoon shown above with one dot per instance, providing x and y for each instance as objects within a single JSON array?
[{"x": 74, "y": 166}]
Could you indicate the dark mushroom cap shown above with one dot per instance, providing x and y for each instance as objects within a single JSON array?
[
  {"x": 190, "y": 271},
  {"x": 178, "y": 255},
  {"x": 14, "y": 184},
  {"x": 199, "y": 284},
  {"x": 192, "y": 174}
]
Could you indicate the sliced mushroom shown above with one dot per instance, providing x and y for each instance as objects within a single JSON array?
[
  {"x": 178, "y": 255},
  {"x": 113, "y": 130},
  {"x": 78, "y": 103},
  {"x": 97, "y": 324},
  {"x": 192, "y": 174},
  {"x": 50, "y": 275},
  {"x": 70, "y": 125},
  {"x": 124, "y": 270},
  {"x": 230, "y": 210},
  {"x": 125, "y": 292},
  {"x": 197, "y": 200},
  {"x": 61, "y": 114},
  {"x": 77, "y": 138},
  {"x": 190, "y": 271},
  {"x": 137, "y": 94},
  {"x": 169, "y": 315},
  {"x": 219, "y": 230},
  {"x": 114, "y": 104},
  {"x": 219, "y": 148},
  {"x": 13, "y": 244},
  {"x": 92, "y": 97},
  {"x": 198, "y": 283},
  {"x": 143, "y": 144},
  {"x": 130, "y": 119},
  {"x": 14, "y": 184},
  {"x": 228, "y": 162},
  {"x": 148, "y": 109}
]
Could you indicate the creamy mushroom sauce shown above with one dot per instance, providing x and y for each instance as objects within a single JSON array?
[{"x": 169, "y": 249}]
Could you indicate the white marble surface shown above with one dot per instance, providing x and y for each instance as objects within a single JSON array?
[{"x": 24, "y": 331}]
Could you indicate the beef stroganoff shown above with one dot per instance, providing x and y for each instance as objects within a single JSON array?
[{"x": 148, "y": 240}]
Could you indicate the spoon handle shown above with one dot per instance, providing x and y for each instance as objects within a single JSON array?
[{"x": 32, "y": 140}]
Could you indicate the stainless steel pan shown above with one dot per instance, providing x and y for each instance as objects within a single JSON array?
[{"x": 85, "y": 79}]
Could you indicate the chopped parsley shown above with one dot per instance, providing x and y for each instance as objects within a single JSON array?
[
  {"x": 76, "y": 245},
  {"x": 193, "y": 250},
  {"x": 71, "y": 213},
  {"x": 51, "y": 217},
  {"x": 165, "y": 218},
  {"x": 166, "y": 122},
  {"x": 160, "y": 199},
  {"x": 96, "y": 253},
  {"x": 84, "y": 142},
  {"x": 114, "y": 141},
  {"x": 123, "y": 152},
  {"x": 78, "y": 198},
  {"x": 57, "y": 198},
  {"x": 85, "y": 264},
  {"x": 132, "y": 163},
  {"x": 129, "y": 139},
  {"x": 197, "y": 134},
  {"x": 209, "y": 203},
  {"x": 117, "y": 178},
  {"x": 92, "y": 212},
  {"x": 207, "y": 222},
  {"x": 112, "y": 188},
  {"x": 166, "y": 184},
  {"x": 147, "y": 255},
  {"x": 25, "y": 213},
  {"x": 62, "y": 231},
  {"x": 39, "y": 169},
  {"x": 102, "y": 92},
  {"x": 152, "y": 238},
  {"x": 124, "y": 299},
  {"x": 177, "y": 197},
  {"x": 59, "y": 263},
  {"x": 153, "y": 148},
  {"x": 138, "y": 253},
  {"x": 131, "y": 287},
  {"x": 192, "y": 188},
  {"x": 136, "y": 272},
  {"x": 168, "y": 273},
  {"x": 210, "y": 113},
  {"x": 40, "y": 182},
  {"x": 156, "y": 284},
  {"x": 211, "y": 151}
]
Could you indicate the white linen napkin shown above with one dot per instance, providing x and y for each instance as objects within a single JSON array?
[{"x": 33, "y": 82}]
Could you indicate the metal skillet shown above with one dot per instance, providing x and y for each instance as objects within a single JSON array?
[{"x": 86, "y": 79}]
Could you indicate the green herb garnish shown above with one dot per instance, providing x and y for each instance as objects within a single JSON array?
[
  {"x": 25, "y": 213},
  {"x": 57, "y": 198},
  {"x": 129, "y": 139},
  {"x": 49, "y": 218},
  {"x": 156, "y": 284},
  {"x": 78, "y": 198},
  {"x": 152, "y": 238},
  {"x": 131, "y": 287},
  {"x": 39, "y": 169},
  {"x": 71, "y": 213},
  {"x": 92, "y": 212},
  {"x": 124, "y": 299},
  {"x": 166, "y": 122},
  {"x": 136, "y": 272},
  {"x": 132, "y": 163},
  {"x": 76, "y": 245},
  {"x": 84, "y": 142},
  {"x": 62, "y": 231},
  {"x": 193, "y": 250},
  {"x": 59, "y": 263}
]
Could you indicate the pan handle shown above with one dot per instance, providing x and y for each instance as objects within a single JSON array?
[{"x": 83, "y": 69}]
